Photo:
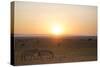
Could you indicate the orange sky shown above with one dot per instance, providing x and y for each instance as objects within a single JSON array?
[{"x": 40, "y": 18}]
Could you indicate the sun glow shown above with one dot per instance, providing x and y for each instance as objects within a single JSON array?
[{"x": 57, "y": 30}]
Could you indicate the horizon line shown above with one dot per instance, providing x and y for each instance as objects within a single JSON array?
[{"x": 28, "y": 35}]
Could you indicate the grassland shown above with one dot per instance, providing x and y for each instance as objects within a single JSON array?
[{"x": 44, "y": 50}]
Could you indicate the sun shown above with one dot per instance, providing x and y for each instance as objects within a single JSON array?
[{"x": 57, "y": 30}]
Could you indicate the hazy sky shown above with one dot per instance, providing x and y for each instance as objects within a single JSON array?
[{"x": 40, "y": 18}]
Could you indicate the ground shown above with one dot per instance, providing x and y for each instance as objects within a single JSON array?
[{"x": 43, "y": 50}]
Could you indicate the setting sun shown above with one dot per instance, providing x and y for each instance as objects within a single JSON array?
[{"x": 56, "y": 30}]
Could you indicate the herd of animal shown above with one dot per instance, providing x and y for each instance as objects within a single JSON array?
[{"x": 37, "y": 54}]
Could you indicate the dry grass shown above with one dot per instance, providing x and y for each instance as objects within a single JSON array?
[{"x": 40, "y": 50}]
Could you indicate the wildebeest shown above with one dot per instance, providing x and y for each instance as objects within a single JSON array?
[
  {"x": 32, "y": 54},
  {"x": 46, "y": 54},
  {"x": 29, "y": 54}
]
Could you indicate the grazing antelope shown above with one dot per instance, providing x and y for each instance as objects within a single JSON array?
[
  {"x": 29, "y": 54},
  {"x": 36, "y": 53},
  {"x": 46, "y": 54}
]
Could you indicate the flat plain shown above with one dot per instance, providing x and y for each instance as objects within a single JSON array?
[{"x": 45, "y": 50}]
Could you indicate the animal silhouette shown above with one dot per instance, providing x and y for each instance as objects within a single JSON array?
[{"x": 32, "y": 54}]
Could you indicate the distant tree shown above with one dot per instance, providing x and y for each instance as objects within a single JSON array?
[{"x": 89, "y": 39}]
